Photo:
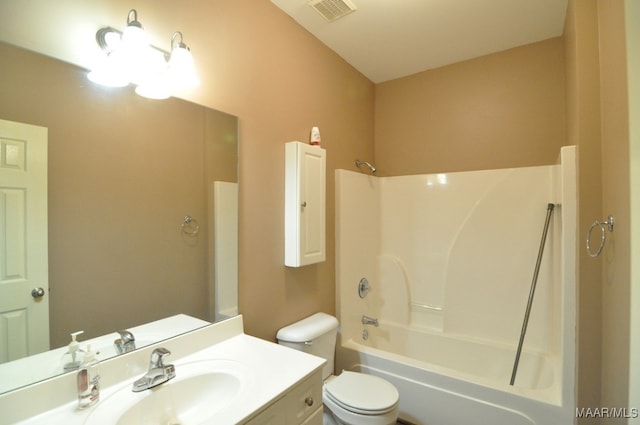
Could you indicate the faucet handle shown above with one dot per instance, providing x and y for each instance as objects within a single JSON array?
[
  {"x": 125, "y": 343},
  {"x": 157, "y": 357},
  {"x": 126, "y": 336}
]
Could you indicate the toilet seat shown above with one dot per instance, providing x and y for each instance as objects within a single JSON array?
[{"x": 361, "y": 393}]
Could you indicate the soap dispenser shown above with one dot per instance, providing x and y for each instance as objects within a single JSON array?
[
  {"x": 71, "y": 361},
  {"x": 88, "y": 380}
]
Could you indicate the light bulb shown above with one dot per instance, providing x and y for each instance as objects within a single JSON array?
[
  {"x": 154, "y": 89},
  {"x": 134, "y": 38},
  {"x": 109, "y": 72},
  {"x": 182, "y": 71}
]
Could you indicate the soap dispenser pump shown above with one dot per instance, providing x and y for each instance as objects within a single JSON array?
[{"x": 72, "y": 362}]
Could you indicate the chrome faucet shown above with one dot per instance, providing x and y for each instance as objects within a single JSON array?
[
  {"x": 366, "y": 320},
  {"x": 125, "y": 343},
  {"x": 158, "y": 372}
]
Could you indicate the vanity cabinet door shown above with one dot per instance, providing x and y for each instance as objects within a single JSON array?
[
  {"x": 305, "y": 399},
  {"x": 315, "y": 418},
  {"x": 305, "y": 187}
]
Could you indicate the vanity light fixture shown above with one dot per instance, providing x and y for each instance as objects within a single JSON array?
[{"x": 129, "y": 59}]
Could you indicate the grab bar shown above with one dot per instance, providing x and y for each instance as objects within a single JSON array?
[{"x": 525, "y": 322}]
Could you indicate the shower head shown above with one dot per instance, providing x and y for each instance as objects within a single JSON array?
[{"x": 372, "y": 169}]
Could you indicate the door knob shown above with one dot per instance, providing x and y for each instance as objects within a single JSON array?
[{"x": 37, "y": 293}]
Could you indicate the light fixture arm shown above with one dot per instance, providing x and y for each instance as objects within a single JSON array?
[
  {"x": 101, "y": 39},
  {"x": 180, "y": 44},
  {"x": 133, "y": 22}
]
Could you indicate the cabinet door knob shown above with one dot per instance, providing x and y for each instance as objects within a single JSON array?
[
  {"x": 304, "y": 204},
  {"x": 308, "y": 401}
]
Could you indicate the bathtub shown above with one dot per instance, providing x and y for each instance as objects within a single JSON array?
[
  {"x": 448, "y": 261},
  {"x": 447, "y": 380}
]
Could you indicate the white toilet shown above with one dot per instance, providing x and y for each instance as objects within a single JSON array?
[{"x": 350, "y": 398}]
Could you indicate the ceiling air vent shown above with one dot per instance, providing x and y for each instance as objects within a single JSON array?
[{"x": 332, "y": 9}]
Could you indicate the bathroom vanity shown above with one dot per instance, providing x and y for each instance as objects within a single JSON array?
[{"x": 223, "y": 376}]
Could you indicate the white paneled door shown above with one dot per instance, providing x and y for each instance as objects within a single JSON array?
[{"x": 24, "y": 280}]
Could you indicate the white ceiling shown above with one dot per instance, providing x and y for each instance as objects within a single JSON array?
[{"x": 388, "y": 39}]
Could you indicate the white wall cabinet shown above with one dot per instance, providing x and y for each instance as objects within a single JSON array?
[{"x": 305, "y": 207}]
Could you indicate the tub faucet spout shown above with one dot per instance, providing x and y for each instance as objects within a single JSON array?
[{"x": 366, "y": 320}]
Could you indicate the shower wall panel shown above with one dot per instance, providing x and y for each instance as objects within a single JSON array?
[{"x": 453, "y": 252}]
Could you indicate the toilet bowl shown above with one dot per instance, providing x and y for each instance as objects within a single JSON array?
[
  {"x": 358, "y": 398},
  {"x": 350, "y": 398}
]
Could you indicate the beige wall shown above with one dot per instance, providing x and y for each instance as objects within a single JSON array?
[
  {"x": 598, "y": 122},
  {"x": 258, "y": 64},
  {"x": 583, "y": 130},
  {"x": 281, "y": 81},
  {"x": 616, "y": 288},
  {"x": 497, "y": 111}
]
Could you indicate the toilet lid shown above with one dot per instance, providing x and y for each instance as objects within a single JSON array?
[{"x": 362, "y": 393}]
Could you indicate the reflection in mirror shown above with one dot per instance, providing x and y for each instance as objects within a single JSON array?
[{"x": 123, "y": 173}]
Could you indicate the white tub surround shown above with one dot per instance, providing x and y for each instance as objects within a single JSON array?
[
  {"x": 270, "y": 373},
  {"x": 450, "y": 260}
]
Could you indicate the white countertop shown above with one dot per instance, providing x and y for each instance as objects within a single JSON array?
[{"x": 271, "y": 370}]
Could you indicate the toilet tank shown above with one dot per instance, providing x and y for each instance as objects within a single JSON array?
[{"x": 315, "y": 335}]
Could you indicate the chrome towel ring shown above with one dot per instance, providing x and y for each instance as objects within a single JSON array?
[
  {"x": 604, "y": 226},
  {"x": 190, "y": 226}
]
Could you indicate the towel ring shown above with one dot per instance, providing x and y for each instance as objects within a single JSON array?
[
  {"x": 604, "y": 225},
  {"x": 190, "y": 226}
]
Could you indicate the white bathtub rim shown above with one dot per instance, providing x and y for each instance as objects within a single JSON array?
[
  {"x": 550, "y": 395},
  {"x": 495, "y": 405},
  {"x": 542, "y": 412},
  {"x": 554, "y": 390}
]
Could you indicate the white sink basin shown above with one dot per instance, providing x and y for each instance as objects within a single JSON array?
[{"x": 200, "y": 390}]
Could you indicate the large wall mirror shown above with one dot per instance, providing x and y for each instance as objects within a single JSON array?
[{"x": 123, "y": 173}]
